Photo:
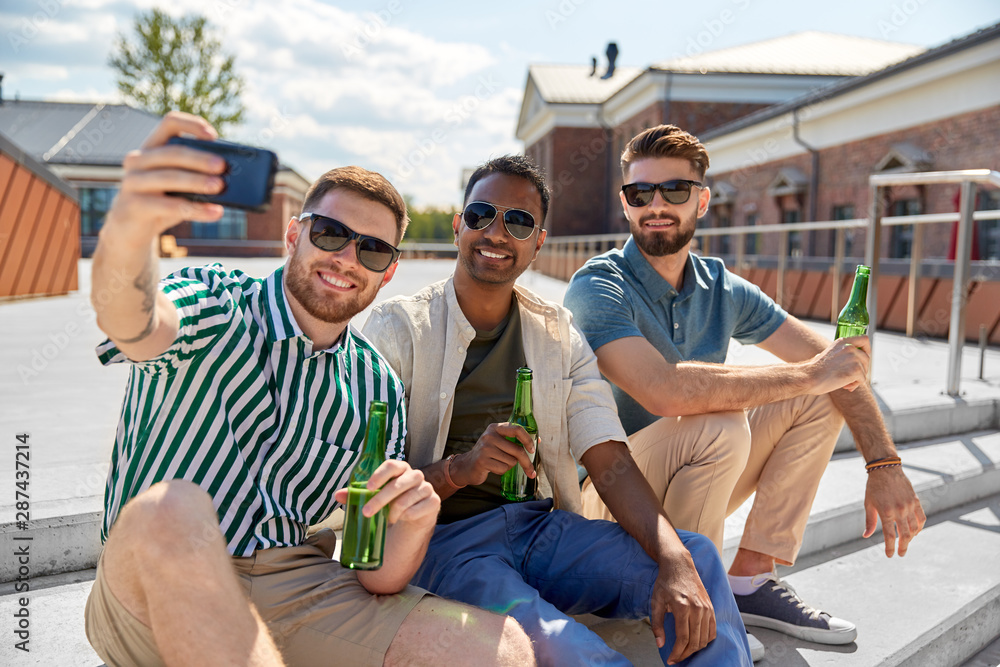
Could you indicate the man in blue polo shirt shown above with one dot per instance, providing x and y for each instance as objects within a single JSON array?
[{"x": 706, "y": 435}]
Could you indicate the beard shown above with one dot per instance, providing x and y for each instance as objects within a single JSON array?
[
  {"x": 660, "y": 244},
  {"x": 299, "y": 280}
]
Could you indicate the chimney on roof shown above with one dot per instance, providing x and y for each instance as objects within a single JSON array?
[
  {"x": 593, "y": 65},
  {"x": 612, "y": 54}
]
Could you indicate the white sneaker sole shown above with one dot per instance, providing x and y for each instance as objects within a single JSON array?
[
  {"x": 816, "y": 635},
  {"x": 756, "y": 648}
]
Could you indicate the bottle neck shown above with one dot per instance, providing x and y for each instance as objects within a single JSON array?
[
  {"x": 522, "y": 396},
  {"x": 859, "y": 293},
  {"x": 373, "y": 454}
]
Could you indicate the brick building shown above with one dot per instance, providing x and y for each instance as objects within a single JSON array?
[
  {"x": 84, "y": 144},
  {"x": 574, "y": 121},
  {"x": 809, "y": 159}
]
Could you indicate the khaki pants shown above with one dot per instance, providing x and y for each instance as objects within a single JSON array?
[
  {"x": 703, "y": 467},
  {"x": 316, "y": 610}
]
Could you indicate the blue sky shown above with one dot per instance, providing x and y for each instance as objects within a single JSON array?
[{"x": 419, "y": 90}]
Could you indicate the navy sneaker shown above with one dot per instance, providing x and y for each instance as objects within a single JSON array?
[{"x": 776, "y": 606}]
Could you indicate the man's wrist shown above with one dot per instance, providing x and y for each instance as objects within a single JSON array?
[
  {"x": 450, "y": 472},
  {"x": 119, "y": 235}
]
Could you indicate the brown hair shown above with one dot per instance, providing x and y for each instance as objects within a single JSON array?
[
  {"x": 369, "y": 184},
  {"x": 665, "y": 141}
]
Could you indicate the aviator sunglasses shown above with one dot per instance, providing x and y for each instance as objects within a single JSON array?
[
  {"x": 479, "y": 215},
  {"x": 676, "y": 191},
  {"x": 332, "y": 235}
]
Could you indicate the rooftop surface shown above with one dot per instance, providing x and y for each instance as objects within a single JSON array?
[
  {"x": 53, "y": 388},
  {"x": 75, "y": 132},
  {"x": 810, "y": 52},
  {"x": 574, "y": 84}
]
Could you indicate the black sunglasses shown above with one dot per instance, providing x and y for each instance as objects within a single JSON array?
[
  {"x": 479, "y": 215},
  {"x": 332, "y": 235},
  {"x": 676, "y": 191}
]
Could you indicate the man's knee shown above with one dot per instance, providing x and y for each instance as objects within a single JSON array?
[
  {"x": 438, "y": 630},
  {"x": 699, "y": 545},
  {"x": 174, "y": 515},
  {"x": 824, "y": 409},
  {"x": 729, "y": 435},
  {"x": 515, "y": 645},
  {"x": 703, "y": 551}
]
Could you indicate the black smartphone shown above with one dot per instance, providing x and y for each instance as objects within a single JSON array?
[{"x": 249, "y": 175}]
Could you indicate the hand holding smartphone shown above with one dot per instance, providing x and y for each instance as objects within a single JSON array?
[{"x": 249, "y": 175}]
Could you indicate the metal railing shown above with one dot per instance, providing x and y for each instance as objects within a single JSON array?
[
  {"x": 423, "y": 247},
  {"x": 562, "y": 252},
  {"x": 967, "y": 179}
]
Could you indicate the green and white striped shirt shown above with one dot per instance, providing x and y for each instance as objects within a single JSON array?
[{"x": 244, "y": 407}]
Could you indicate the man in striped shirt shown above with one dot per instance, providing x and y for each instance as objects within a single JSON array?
[{"x": 243, "y": 416}]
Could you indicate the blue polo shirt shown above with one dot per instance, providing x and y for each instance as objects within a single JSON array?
[{"x": 619, "y": 294}]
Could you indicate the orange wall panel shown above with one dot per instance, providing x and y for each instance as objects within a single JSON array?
[
  {"x": 39, "y": 234},
  {"x": 40, "y": 221},
  {"x": 983, "y": 308},
  {"x": 64, "y": 278},
  {"x": 24, "y": 229}
]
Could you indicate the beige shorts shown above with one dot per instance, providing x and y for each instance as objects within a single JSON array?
[{"x": 316, "y": 610}]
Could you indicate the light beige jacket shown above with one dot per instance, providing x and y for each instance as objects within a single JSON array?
[{"x": 424, "y": 337}]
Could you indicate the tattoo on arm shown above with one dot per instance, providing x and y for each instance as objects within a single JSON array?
[{"x": 144, "y": 283}]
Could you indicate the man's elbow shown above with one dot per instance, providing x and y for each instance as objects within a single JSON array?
[
  {"x": 100, "y": 320},
  {"x": 664, "y": 404},
  {"x": 380, "y": 585}
]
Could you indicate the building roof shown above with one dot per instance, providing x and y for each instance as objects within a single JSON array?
[
  {"x": 15, "y": 153},
  {"x": 810, "y": 52},
  {"x": 81, "y": 133},
  {"x": 74, "y": 132},
  {"x": 986, "y": 34},
  {"x": 573, "y": 84}
]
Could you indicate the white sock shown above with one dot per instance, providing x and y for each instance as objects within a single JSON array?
[{"x": 745, "y": 585}]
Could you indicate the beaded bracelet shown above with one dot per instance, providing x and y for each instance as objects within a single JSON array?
[{"x": 887, "y": 465}]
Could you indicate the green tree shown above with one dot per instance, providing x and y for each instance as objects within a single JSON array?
[
  {"x": 178, "y": 64},
  {"x": 429, "y": 223}
]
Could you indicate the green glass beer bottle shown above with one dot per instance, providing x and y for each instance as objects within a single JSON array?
[
  {"x": 364, "y": 537},
  {"x": 853, "y": 319},
  {"x": 515, "y": 484}
]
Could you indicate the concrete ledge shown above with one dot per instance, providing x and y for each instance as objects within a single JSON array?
[
  {"x": 946, "y": 416},
  {"x": 59, "y": 544},
  {"x": 945, "y": 472},
  {"x": 923, "y": 609},
  {"x": 960, "y": 636}
]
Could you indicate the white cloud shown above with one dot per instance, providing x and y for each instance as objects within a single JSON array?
[
  {"x": 358, "y": 87},
  {"x": 324, "y": 85},
  {"x": 44, "y": 72},
  {"x": 83, "y": 95}
]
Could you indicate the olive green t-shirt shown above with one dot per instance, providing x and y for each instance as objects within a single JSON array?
[{"x": 484, "y": 395}]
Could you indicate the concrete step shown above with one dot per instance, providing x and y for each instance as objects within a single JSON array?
[
  {"x": 938, "y": 606},
  {"x": 946, "y": 472},
  {"x": 916, "y": 416},
  {"x": 988, "y": 657},
  {"x": 55, "y": 622}
]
